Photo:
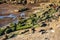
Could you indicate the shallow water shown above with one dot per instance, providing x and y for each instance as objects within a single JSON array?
[
  {"x": 14, "y": 17},
  {"x": 9, "y": 16},
  {"x": 1, "y": 17}
]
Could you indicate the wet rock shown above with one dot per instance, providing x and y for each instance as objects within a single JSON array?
[{"x": 22, "y": 15}]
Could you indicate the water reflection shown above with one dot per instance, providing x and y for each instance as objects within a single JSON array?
[
  {"x": 12, "y": 16},
  {"x": 1, "y": 17},
  {"x": 9, "y": 16}
]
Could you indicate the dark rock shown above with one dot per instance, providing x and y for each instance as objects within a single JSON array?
[
  {"x": 57, "y": 8},
  {"x": 51, "y": 28},
  {"x": 46, "y": 39},
  {"x": 24, "y": 31},
  {"x": 33, "y": 29},
  {"x": 24, "y": 9},
  {"x": 1, "y": 2},
  {"x": 51, "y": 5},
  {"x": 43, "y": 31},
  {"x": 13, "y": 35},
  {"x": 43, "y": 24}
]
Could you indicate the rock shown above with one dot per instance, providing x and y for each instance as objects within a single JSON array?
[
  {"x": 52, "y": 31},
  {"x": 33, "y": 29},
  {"x": 24, "y": 31},
  {"x": 43, "y": 31},
  {"x": 43, "y": 24},
  {"x": 51, "y": 28},
  {"x": 46, "y": 39}
]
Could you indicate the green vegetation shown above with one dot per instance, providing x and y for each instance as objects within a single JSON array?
[{"x": 30, "y": 22}]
